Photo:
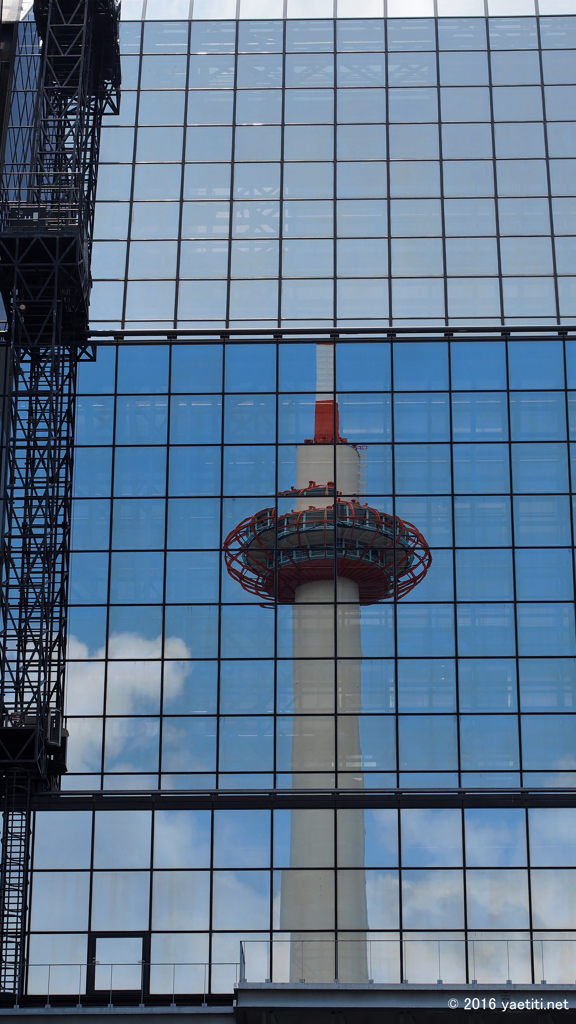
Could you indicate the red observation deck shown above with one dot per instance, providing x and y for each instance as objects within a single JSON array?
[{"x": 271, "y": 555}]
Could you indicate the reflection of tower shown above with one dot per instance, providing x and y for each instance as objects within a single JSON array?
[{"x": 326, "y": 557}]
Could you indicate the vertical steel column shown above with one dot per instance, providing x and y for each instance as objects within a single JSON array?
[
  {"x": 35, "y": 557},
  {"x": 14, "y": 881},
  {"x": 33, "y": 606}
]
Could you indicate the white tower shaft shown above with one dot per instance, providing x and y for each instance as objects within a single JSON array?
[{"x": 325, "y": 625}]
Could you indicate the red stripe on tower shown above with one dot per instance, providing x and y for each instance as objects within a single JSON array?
[{"x": 326, "y": 422}]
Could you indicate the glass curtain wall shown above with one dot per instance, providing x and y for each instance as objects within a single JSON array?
[
  {"x": 361, "y": 173},
  {"x": 360, "y": 170},
  {"x": 180, "y": 680}
]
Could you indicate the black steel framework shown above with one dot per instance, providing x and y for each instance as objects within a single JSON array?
[{"x": 66, "y": 75}]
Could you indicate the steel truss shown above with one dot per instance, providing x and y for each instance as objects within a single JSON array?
[
  {"x": 61, "y": 89},
  {"x": 49, "y": 176},
  {"x": 33, "y": 592},
  {"x": 16, "y": 833}
]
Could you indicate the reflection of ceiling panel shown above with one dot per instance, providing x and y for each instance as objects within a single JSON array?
[
  {"x": 11, "y": 10},
  {"x": 15, "y": 10}
]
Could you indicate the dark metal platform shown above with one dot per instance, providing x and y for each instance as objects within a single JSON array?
[
  {"x": 402, "y": 1004},
  {"x": 342, "y": 1004}
]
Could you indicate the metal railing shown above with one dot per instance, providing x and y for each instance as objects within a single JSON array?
[
  {"x": 136, "y": 979},
  {"x": 380, "y": 961},
  {"x": 419, "y": 960},
  {"x": 45, "y": 201}
]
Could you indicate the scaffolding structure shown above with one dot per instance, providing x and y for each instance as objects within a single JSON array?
[{"x": 66, "y": 75}]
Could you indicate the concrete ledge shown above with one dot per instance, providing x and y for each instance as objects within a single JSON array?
[
  {"x": 129, "y": 1014},
  {"x": 413, "y": 1004},
  {"x": 344, "y": 1004}
]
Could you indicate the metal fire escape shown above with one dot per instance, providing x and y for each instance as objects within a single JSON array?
[{"x": 66, "y": 75}]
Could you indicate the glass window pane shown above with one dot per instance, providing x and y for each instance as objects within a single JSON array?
[
  {"x": 411, "y": 34},
  {"x": 61, "y": 897},
  {"x": 468, "y": 178},
  {"x": 548, "y": 742},
  {"x": 557, "y": 33},
  {"x": 415, "y": 217},
  {"x": 181, "y": 839},
  {"x": 308, "y": 106},
  {"x": 212, "y": 37},
  {"x": 496, "y": 837},
  {"x": 308, "y": 181},
  {"x": 361, "y": 106},
  {"x": 204, "y": 143},
  {"x": 537, "y": 364},
  {"x": 414, "y": 179},
  {"x": 463, "y": 69},
  {"x": 302, "y": 36},
  {"x": 432, "y": 899},
  {"x": 431, "y": 838},
  {"x": 411, "y": 69},
  {"x": 552, "y": 832},
  {"x": 521, "y": 178},
  {"x": 354, "y": 141},
  {"x": 524, "y": 216},
  {"x": 420, "y": 366},
  {"x": 360, "y": 70},
  {"x": 469, "y": 217},
  {"x": 262, "y": 71},
  {"x": 553, "y": 898},
  {"x": 120, "y": 900},
  {"x": 427, "y": 743},
  {"x": 260, "y": 36},
  {"x": 303, "y": 142},
  {"x": 256, "y": 106},
  {"x": 487, "y": 684},
  {"x": 497, "y": 899},
  {"x": 360, "y": 34},
  {"x": 462, "y": 34},
  {"x": 412, "y": 105},
  {"x": 180, "y": 899},
  {"x": 255, "y": 142},
  {"x": 478, "y": 366},
  {"x": 465, "y": 104},
  {"x": 312, "y": 71},
  {"x": 558, "y": 67},
  {"x": 489, "y": 742},
  {"x": 466, "y": 141},
  {"x": 520, "y": 140},
  {"x": 241, "y": 838},
  {"x": 512, "y": 33},
  {"x": 521, "y": 68}
]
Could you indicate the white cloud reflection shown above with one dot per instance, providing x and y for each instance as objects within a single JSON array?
[
  {"x": 133, "y": 674},
  {"x": 133, "y": 689}
]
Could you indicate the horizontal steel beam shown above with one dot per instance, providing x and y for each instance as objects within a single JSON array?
[
  {"x": 524, "y": 332},
  {"x": 279, "y": 799}
]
